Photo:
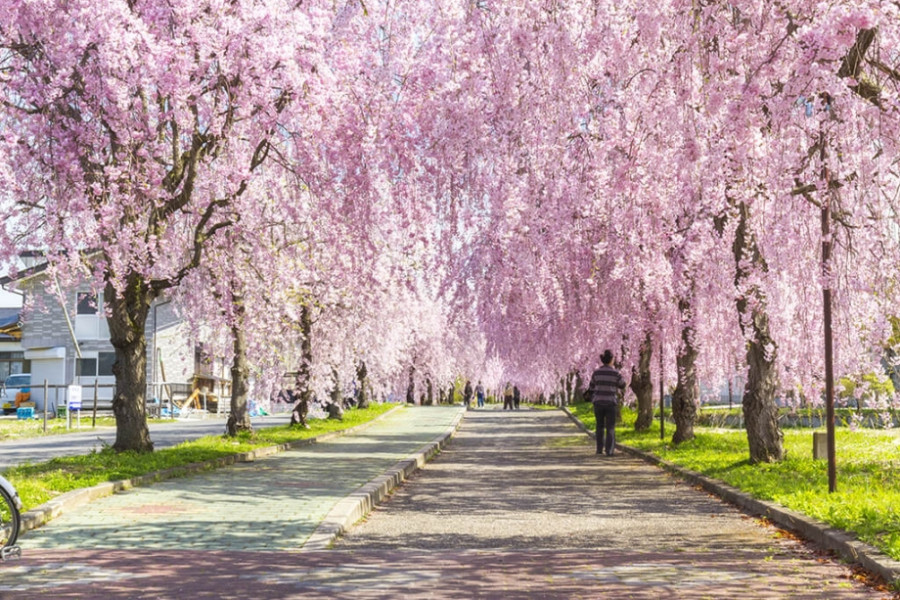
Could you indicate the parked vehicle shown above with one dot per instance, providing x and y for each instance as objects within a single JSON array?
[{"x": 14, "y": 384}]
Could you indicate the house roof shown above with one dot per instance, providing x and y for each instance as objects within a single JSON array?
[
  {"x": 38, "y": 263},
  {"x": 10, "y": 324},
  {"x": 27, "y": 272}
]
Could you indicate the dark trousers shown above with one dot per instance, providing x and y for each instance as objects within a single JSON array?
[{"x": 605, "y": 414}]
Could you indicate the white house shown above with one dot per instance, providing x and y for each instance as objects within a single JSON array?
[{"x": 51, "y": 329}]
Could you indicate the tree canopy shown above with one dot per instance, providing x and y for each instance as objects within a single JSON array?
[{"x": 494, "y": 189}]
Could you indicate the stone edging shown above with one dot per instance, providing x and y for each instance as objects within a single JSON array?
[
  {"x": 838, "y": 540},
  {"x": 358, "y": 504},
  {"x": 51, "y": 509}
]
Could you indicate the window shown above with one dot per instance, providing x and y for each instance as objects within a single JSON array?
[
  {"x": 202, "y": 360},
  {"x": 12, "y": 363},
  {"x": 105, "y": 361},
  {"x": 99, "y": 366},
  {"x": 85, "y": 367},
  {"x": 86, "y": 303},
  {"x": 90, "y": 321}
]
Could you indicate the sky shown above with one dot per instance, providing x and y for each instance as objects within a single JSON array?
[{"x": 8, "y": 299}]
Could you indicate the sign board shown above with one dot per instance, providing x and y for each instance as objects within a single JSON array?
[{"x": 74, "y": 397}]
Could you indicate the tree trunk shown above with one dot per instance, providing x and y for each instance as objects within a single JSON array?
[
  {"x": 301, "y": 384},
  {"x": 687, "y": 390},
  {"x": 336, "y": 395},
  {"x": 579, "y": 388},
  {"x": 239, "y": 419},
  {"x": 642, "y": 386},
  {"x": 362, "y": 400},
  {"x": 127, "y": 318},
  {"x": 620, "y": 394},
  {"x": 411, "y": 388},
  {"x": 760, "y": 411},
  {"x": 429, "y": 393}
]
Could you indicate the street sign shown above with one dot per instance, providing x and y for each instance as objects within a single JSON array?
[{"x": 74, "y": 397}]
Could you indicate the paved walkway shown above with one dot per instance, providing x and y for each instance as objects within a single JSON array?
[
  {"x": 271, "y": 504},
  {"x": 517, "y": 506}
]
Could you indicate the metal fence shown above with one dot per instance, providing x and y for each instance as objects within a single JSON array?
[{"x": 56, "y": 401}]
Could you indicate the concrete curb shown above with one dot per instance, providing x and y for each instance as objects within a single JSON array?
[
  {"x": 358, "y": 504},
  {"x": 40, "y": 515},
  {"x": 823, "y": 535}
]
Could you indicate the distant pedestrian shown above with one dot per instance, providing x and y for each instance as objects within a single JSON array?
[
  {"x": 479, "y": 394},
  {"x": 508, "y": 397},
  {"x": 603, "y": 392},
  {"x": 517, "y": 397},
  {"x": 467, "y": 394}
]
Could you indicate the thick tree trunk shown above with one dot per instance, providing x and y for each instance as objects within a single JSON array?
[
  {"x": 687, "y": 390},
  {"x": 760, "y": 411},
  {"x": 642, "y": 386},
  {"x": 127, "y": 320},
  {"x": 429, "y": 393},
  {"x": 239, "y": 419},
  {"x": 301, "y": 384}
]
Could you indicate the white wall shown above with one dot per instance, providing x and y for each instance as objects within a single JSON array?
[{"x": 54, "y": 371}]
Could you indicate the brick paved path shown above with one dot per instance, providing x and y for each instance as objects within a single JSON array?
[
  {"x": 525, "y": 491},
  {"x": 516, "y": 507},
  {"x": 271, "y": 504}
]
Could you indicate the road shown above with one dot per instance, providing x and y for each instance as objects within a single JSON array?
[{"x": 163, "y": 434}]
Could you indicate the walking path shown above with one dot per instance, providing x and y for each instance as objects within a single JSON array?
[
  {"x": 271, "y": 504},
  {"x": 517, "y": 506}
]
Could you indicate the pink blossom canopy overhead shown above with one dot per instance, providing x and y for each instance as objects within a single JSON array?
[{"x": 498, "y": 190}]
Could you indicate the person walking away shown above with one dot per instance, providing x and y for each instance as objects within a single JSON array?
[
  {"x": 479, "y": 394},
  {"x": 517, "y": 397},
  {"x": 508, "y": 397},
  {"x": 467, "y": 394},
  {"x": 603, "y": 392}
]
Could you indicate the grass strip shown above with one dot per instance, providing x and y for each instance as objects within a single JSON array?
[
  {"x": 16, "y": 429},
  {"x": 38, "y": 483},
  {"x": 867, "y": 500}
]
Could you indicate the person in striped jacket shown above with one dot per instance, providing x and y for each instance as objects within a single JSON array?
[{"x": 603, "y": 392}]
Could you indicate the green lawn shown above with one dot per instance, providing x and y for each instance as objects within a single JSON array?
[
  {"x": 867, "y": 501},
  {"x": 40, "y": 482},
  {"x": 13, "y": 429}
]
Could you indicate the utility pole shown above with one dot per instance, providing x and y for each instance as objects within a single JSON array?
[{"x": 829, "y": 337}]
